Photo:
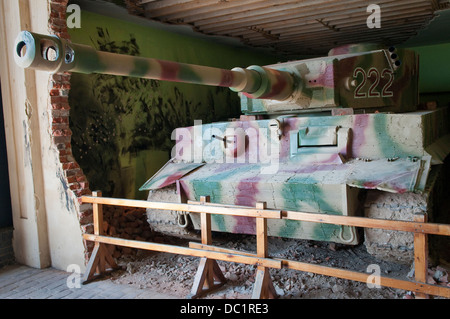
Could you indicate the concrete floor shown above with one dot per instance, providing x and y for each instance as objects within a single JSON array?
[{"x": 22, "y": 282}]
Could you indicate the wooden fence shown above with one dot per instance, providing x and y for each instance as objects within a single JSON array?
[{"x": 209, "y": 276}]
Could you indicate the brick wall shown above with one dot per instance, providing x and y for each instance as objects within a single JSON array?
[{"x": 59, "y": 87}]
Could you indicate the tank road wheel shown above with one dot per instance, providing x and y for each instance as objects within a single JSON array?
[{"x": 172, "y": 223}]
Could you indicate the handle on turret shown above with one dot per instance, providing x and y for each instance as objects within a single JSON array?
[{"x": 53, "y": 54}]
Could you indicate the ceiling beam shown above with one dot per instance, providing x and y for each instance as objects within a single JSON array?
[
  {"x": 298, "y": 15},
  {"x": 194, "y": 7},
  {"x": 295, "y": 26},
  {"x": 401, "y": 17}
]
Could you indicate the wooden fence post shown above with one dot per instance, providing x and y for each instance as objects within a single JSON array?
[
  {"x": 209, "y": 277},
  {"x": 263, "y": 288},
  {"x": 100, "y": 257},
  {"x": 421, "y": 255}
]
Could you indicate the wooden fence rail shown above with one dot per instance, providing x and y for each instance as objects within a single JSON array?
[{"x": 209, "y": 276}]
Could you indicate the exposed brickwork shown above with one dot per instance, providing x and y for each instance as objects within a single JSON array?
[
  {"x": 59, "y": 87},
  {"x": 57, "y": 22}
]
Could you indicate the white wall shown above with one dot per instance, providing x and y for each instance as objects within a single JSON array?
[{"x": 45, "y": 212}]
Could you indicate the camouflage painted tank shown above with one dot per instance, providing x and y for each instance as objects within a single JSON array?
[{"x": 314, "y": 133}]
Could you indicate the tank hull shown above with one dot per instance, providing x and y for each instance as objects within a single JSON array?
[{"x": 320, "y": 164}]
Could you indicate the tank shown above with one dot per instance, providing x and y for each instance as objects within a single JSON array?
[{"x": 340, "y": 134}]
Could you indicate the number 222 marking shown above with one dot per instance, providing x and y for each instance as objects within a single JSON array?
[{"x": 386, "y": 92}]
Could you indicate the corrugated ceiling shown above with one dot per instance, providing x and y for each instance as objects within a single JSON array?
[{"x": 294, "y": 27}]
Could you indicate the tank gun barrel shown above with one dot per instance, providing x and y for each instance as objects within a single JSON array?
[{"x": 53, "y": 54}]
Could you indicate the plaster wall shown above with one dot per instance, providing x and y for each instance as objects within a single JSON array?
[{"x": 46, "y": 227}]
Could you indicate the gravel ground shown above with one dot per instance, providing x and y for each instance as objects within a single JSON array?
[{"x": 174, "y": 274}]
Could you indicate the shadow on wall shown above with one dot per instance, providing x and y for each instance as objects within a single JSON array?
[{"x": 5, "y": 195}]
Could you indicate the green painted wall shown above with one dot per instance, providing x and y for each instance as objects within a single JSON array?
[
  {"x": 122, "y": 126},
  {"x": 434, "y": 68}
]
